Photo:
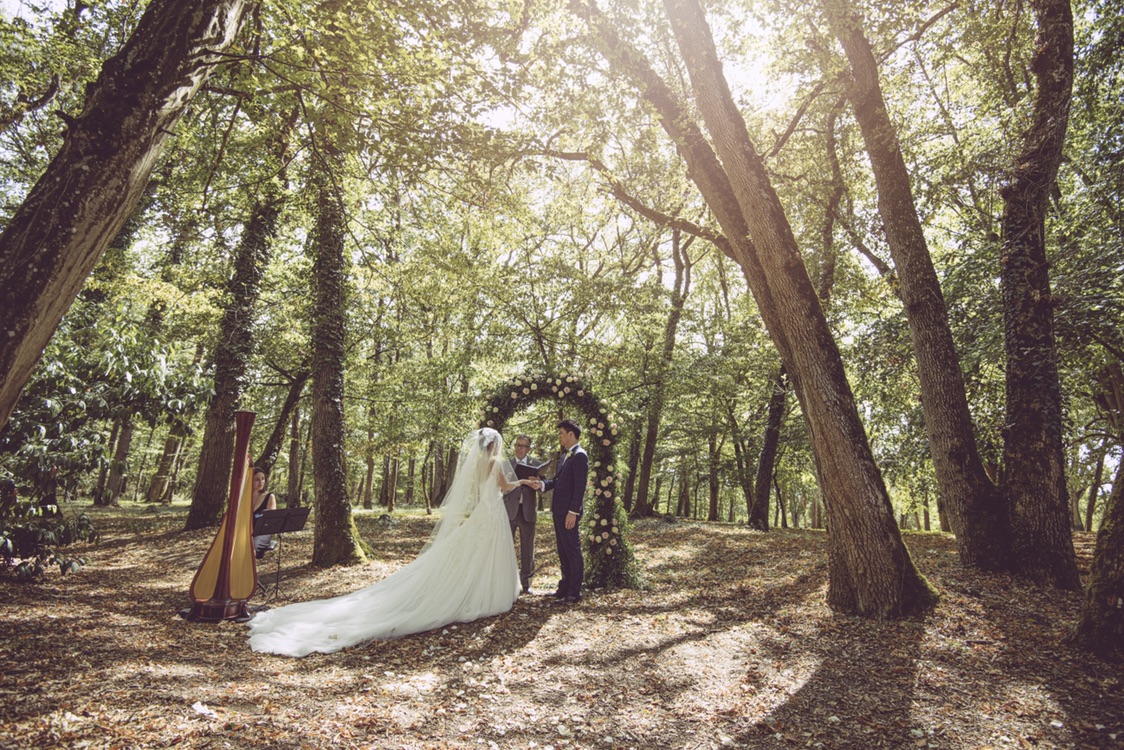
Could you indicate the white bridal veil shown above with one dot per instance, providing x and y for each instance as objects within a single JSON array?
[{"x": 481, "y": 470}]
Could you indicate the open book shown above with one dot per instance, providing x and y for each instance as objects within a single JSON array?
[{"x": 526, "y": 471}]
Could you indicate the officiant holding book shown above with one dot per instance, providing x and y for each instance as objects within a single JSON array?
[{"x": 522, "y": 510}]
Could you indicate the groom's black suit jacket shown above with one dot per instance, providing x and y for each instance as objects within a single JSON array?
[{"x": 569, "y": 483}]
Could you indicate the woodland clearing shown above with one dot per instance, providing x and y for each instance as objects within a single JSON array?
[{"x": 729, "y": 645}]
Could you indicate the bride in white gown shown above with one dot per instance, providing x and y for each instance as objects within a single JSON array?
[{"x": 466, "y": 571}]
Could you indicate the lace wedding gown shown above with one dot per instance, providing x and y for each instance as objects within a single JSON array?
[{"x": 465, "y": 572}]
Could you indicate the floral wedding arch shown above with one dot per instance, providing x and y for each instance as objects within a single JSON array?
[{"x": 610, "y": 561}]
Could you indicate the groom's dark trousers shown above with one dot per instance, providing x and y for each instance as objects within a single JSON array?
[{"x": 569, "y": 496}]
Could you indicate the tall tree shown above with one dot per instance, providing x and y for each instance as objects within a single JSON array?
[
  {"x": 335, "y": 538},
  {"x": 1033, "y": 456},
  {"x": 766, "y": 463},
  {"x": 273, "y": 445},
  {"x": 871, "y": 572},
  {"x": 973, "y": 501},
  {"x": 50, "y": 245},
  {"x": 679, "y": 292},
  {"x": 232, "y": 354}
]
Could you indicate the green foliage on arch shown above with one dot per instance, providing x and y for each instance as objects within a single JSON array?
[{"x": 609, "y": 558}]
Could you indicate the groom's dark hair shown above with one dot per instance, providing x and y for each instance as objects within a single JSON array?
[{"x": 570, "y": 425}]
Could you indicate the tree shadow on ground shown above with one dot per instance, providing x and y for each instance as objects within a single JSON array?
[{"x": 848, "y": 690}]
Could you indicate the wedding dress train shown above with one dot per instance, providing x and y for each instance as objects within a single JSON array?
[{"x": 466, "y": 571}]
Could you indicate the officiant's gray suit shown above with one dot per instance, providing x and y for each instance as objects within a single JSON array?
[{"x": 522, "y": 513}]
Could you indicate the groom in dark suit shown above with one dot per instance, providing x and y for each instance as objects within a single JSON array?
[{"x": 566, "y": 506}]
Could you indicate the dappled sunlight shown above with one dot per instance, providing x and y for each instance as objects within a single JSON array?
[{"x": 730, "y": 644}]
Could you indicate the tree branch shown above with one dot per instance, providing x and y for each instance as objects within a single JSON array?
[{"x": 657, "y": 217}]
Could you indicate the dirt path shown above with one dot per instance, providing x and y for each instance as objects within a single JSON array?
[{"x": 730, "y": 646}]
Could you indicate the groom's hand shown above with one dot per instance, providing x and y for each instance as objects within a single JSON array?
[{"x": 571, "y": 520}]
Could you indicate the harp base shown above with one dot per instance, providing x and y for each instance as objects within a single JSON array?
[{"x": 217, "y": 610}]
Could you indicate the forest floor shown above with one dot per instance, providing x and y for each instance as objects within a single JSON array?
[{"x": 731, "y": 645}]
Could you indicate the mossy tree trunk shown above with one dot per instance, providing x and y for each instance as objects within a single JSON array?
[
  {"x": 335, "y": 538},
  {"x": 1033, "y": 451}
]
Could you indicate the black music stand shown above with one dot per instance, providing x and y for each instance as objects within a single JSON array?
[{"x": 279, "y": 522}]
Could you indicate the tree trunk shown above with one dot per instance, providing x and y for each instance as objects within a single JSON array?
[
  {"x": 450, "y": 470},
  {"x": 144, "y": 462},
  {"x": 51, "y": 243},
  {"x": 679, "y": 294},
  {"x": 369, "y": 459},
  {"x": 181, "y": 459},
  {"x": 158, "y": 490},
  {"x": 426, "y": 491},
  {"x": 1101, "y": 627},
  {"x": 298, "y": 501},
  {"x": 437, "y": 491},
  {"x": 292, "y": 499},
  {"x": 766, "y": 464},
  {"x": 780, "y": 504},
  {"x": 409, "y": 501},
  {"x": 384, "y": 497},
  {"x": 272, "y": 447},
  {"x": 974, "y": 503},
  {"x": 392, "y": 486},
  {"x": 633, "y": 466},
  {"x": 741, "y": 456},
  {"x": 1033, "y": 453},
  {"x": 871, "y": 572},
  {"x": 232, "y": 358},
  {"x": 1094, "y": 491},
  {"x": 103, "y": 472},
  {"x": 656, "y": 495},
  {"x": 712, "y": 511},
  {"x": 335, "y": 538},
  {"x": 119, "y": 467},
  {"x": 643, "y": 507},
  {"x": 1075, "y": 510}
]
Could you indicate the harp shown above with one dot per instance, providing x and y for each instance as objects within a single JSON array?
[{"x": 228, "y": 575}]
